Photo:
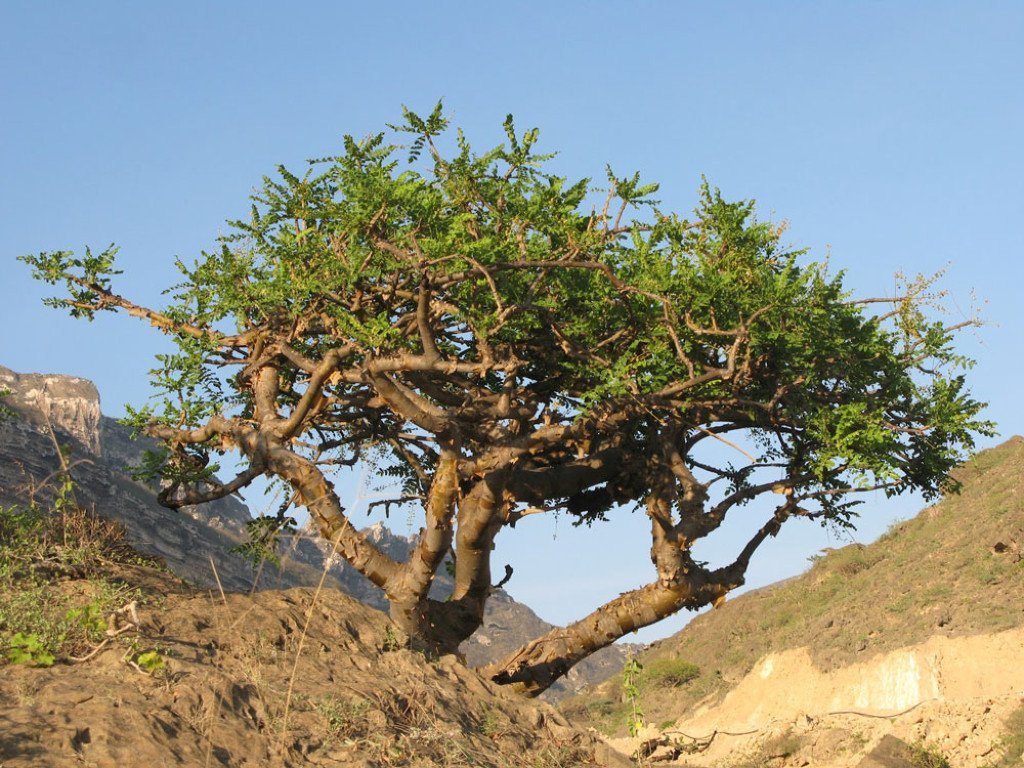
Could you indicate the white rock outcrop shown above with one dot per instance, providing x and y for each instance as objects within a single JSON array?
[{"x": 69, "y": 404}]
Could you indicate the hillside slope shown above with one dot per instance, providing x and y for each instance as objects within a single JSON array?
[
  {"x": 954, "y": 571},
  {"x": 196, "y": 539},
  {"x": 278, "y": 678}
]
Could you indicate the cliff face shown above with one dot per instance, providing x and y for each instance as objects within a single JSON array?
[
  {"x": 952, "y": 693},
  {"x": 71, "y": 405},
  {"x": 50, "y": 410},
  {"x": 195, "y": 541}
]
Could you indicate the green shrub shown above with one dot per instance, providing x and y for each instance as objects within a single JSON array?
[
  {"x": 669, "y": 673},
  {"x": 28, "y": 649},
  {"x": 928, "y": 757},
  {"x": 54, "y": 596}
]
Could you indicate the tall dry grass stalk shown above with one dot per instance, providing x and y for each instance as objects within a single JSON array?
[{"x": 302, "y": 636}]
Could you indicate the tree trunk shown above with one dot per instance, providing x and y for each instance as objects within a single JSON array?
[
  {"x": 410, "y": 607},
  {"x": 681, "y": 584},
  {"x": 534, "y": 667},
  {"x": 447, "y": 624}
]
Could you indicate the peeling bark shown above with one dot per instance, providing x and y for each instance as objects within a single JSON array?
[
  {"x": 410, "y": 606},
  {"x": 317, "y": 494}
]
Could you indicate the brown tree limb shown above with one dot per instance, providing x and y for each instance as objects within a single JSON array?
[
  {"x": 176, "y": 495},
  {"x": 108, "y": 298}
]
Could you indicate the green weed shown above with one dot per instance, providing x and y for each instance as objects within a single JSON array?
[
  {"x": 490, "y": 723},
  {"x": 343, "y": 718},
  {"x": 391, "y": 642},
  {"x": 631, "y": 687}
]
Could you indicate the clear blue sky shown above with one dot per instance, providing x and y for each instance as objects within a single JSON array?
[{"x": 888, "y": 134}]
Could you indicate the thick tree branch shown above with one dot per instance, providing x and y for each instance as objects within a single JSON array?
[
  {"x": 536, "y": 486},
  {"x": 158, "y": 320},
  {"x": 435, "y": 539},
  {"x": 176, "y": 495},
  {"x": 409, "y": 405}
]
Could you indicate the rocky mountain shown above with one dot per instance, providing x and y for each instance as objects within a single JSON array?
[
  {"x": 915, "y": 640},
  {"x": 51, "y": 410},
  {"x": 195, "y": 541}
]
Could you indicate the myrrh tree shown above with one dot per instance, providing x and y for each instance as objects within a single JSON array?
[{"x": 508, "y": 343}]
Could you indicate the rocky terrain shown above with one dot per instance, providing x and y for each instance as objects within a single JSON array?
[
  {"x": 195, "y": 542},
  {"x": 905, "y": 652}
]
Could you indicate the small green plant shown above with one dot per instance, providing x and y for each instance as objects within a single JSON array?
[
  {"x": 630, "y": 686},
  {"x": 89, "y": 617},
  {"x": 901, "y": 605},
  {"x": 989, "y": 570},
  {"x": 6, "y": 411},
  {"x": 344, "y": 718},
  {"x": 150, "y": 662},
  {"x": 28, "y": 649},
  {"x": 925, "y": 756},
  {"x": 490, "y": 723},
  {"x": 391, "y": 642}
]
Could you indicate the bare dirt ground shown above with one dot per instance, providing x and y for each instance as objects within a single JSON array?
[
  {"x": 239, "y": 680},
  {"x": 954, "y": 695}
]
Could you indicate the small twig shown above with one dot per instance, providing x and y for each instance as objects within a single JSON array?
[
  {"x": 91, "y": 653},
  {"x": 880, "y": 717},
  {"x": 703, "y": 742},
  {"x": 216, "y": 576},
  {"x": 727, "y": 442},
  {"x": 113, "y": 630}
]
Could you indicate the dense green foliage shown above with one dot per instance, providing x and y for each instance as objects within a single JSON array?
[
  {"x": 503, "y": 341},
  {"x": 659, "y": 302}
]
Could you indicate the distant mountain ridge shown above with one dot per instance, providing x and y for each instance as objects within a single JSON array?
[{"x": 196, "y": 539}]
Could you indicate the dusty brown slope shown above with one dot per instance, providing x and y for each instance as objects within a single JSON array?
[
  {"x": 223, "y": 694},
  {"x": 189, "y": 539},
  {"x": 954, "y": 570}
]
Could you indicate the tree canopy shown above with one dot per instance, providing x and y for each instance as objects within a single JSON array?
[{"x": 503, "y": 341}]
